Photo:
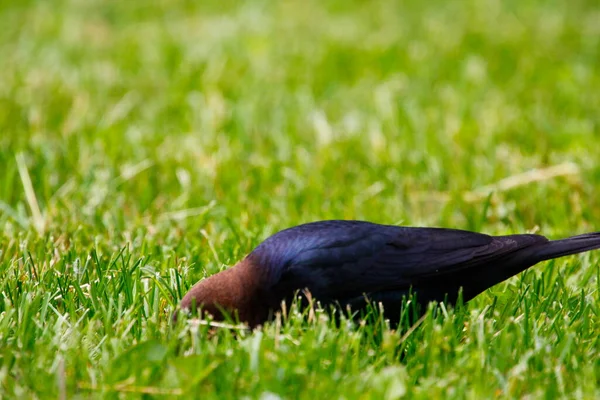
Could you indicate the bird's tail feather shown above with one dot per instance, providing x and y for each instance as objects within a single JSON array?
[{"x": 572, "y": 245}]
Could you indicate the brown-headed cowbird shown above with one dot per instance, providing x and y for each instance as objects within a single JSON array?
[{"x": 351, "y": 263}]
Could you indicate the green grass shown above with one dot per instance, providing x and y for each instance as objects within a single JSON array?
[{"x": 163, "y": 140}]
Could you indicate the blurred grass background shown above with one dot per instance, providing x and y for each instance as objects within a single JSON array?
[{"x": 146, "y": 145}]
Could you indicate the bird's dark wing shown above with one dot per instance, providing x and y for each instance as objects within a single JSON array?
[{"x": 345, "y": 259}]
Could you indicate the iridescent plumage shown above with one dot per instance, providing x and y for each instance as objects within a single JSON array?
[{"x": 348, "y": 263}]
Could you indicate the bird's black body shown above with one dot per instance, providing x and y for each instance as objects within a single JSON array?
[
  {"x": 352, "y": 263},
  {"x": 348, "y": 262}
]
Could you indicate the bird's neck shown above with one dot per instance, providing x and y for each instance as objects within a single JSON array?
[{"x": 235, "y": 290}]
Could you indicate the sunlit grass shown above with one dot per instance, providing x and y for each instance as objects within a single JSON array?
[{"x": 144, "y": 146}]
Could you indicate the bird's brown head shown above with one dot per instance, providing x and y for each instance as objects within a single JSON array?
[{"x": 233, "y": 292}]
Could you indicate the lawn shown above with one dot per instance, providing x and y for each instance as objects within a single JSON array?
[{"x": 146, "y": 145}]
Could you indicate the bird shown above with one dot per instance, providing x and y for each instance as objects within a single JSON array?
[{"x": 350, "y": 264}]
